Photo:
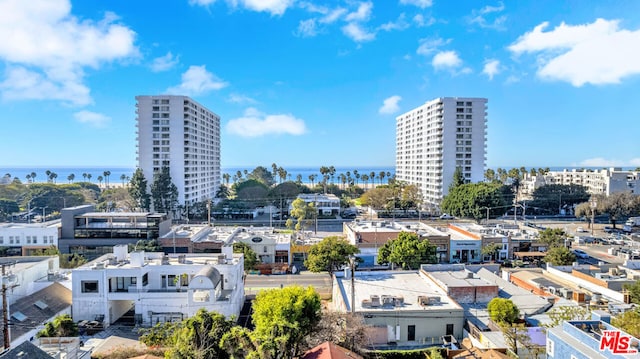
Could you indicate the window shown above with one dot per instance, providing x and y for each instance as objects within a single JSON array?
[
  {"x": 89, "y": 286},
  {"x": 145, "y": 279},
  {"x": 550, "y": 347},
  {"x": 449, "y": 329},
  {"x": 411, "y": 332}
]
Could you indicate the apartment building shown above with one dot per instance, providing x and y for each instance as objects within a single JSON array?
[
  {"x": 435, "y": 138},
  {"x": 27, "y": 238},
  {"x": 181, "y": 134},
  {"x": 604, "y": 181},
  {"x": 154, "y": 287}
]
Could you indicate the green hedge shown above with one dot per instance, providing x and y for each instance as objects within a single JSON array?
[{"x": 407, "y": 354}]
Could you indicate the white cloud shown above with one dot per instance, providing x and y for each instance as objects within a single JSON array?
[
  {"x": 197, "y": 80},
  {"x": 446, "y": 59},
  {"x": 419, "y": 3},
  {"x": 450, "y": 61},
  {"x": 241, "y": 99},
  {"x": 92, "y": 118},
  {"x": 390, "y": 105},
  {"x": 274, "y": 7},
  {"x": 483, "y": 16},
  {"x": 201, "y": 2},
  {"x": 429, "y": 46},
  {"x": 420, "y": 21},
  {"x": 47, "y": 46},
  {"x": 491, "y": 68},
  {"x": 357, "y": 33},
  {"x": 362, "y": 13},
  {"x": 256, "y": 124},
  {"x": 399, "y": 24},
  {"x": 333, "y": 15},
  {"x": 605, "y": 162},
  {"x": 164, "y": 63},
  {"x": 307, "y": 28},
  {"x": 595, "y": 53}
]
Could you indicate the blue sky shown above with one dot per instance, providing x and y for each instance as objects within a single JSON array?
[{"x": 309, "y": 83}]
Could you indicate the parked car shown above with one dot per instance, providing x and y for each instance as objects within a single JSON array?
[
  {"x": 580, "y": 253},
  {"x": 446, "y": 216},
  {"x": 581, "y": 230}
]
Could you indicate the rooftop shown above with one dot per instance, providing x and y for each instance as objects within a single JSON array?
[{"x": 408, "y": 287}]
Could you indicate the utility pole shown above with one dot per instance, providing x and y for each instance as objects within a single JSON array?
[
  {"x": 352, "y": 261},
  {"x": 5, "y": 307}
]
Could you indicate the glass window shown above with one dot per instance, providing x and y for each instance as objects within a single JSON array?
[{"x": 89, "y": 286}]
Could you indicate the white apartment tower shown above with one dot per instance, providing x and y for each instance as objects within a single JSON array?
[
  {"x": 181, "y": 134},
  {"x": 435, "y": 138}
]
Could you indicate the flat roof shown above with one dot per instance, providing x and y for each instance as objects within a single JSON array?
[
  {"x": 157, "y": 258},
  {"x": 408, "y": 285},
  {"x": 527, "y": 302},
  {"x": 114, "y": 214},
  {"x": 459, "y": 279}
]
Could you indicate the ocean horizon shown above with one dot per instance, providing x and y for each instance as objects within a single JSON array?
[{"x": 117, "y": 172}]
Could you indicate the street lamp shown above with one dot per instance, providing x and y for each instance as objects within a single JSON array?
[
  {"x": 43, "y": 213},
  {"x": 593, "y": 204}
]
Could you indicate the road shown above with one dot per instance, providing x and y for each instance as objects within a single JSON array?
[{"x": 320, "y": 281}]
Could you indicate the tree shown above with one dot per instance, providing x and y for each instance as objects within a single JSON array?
[
  {"x": 283, "y": 318},
  {"x": 222, "y": 192},
  {"x": 197, "y": 337},
  {"x": 634, "y": 291},
  {"x": 263, "y": 175},
  {"x": 303, "y": 212},
  {"x": 344, "y": 329},
  {"x": 250, "y": 256},
  {"x": 123, "y": 178},
  {"x": 458, "y": 178},
  {"x": 7, "y": 207},
  {"x": 552, "y": 237},
  {"x": 560, "y": 256},
  {"x": 491, "y": 250},
  {"x": 377, "y": 197},
  {"x": 330, "y": 254},
  {"x": 138, "y": 190},
  {"x": 71, "y": 177},
  {"x": 163, "y": 192},
  {"x": 628, "y": 321},
  {"x": 100, "y": 178},
  {"x": 557, "y": 315},
  {"x": 554, "y": 197},
  {"x": 503, "y": 310},
  {"x": 407, "y": 251},
  {"x": 61, "y": 326},
  {"x": 471, "y": 200},
  {"x": 618, "y": 205}
]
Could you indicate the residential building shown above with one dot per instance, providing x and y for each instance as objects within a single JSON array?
[
  {"x": 183, "y": 135},
  {"x": 270, "y": 246},
  {"x": 154, "y": 287},
  {"x": 406, "y": 309},
  {"x": 326, "y": 204},
  {"x": 437, "y": 137},
  {"x": 24, "y": 239},
  {"x": 92, "y": 234},
  {"x": 604, "y": 181},
  {"x": 24, "y": 274},
  {"x": 591, "y": 339}
]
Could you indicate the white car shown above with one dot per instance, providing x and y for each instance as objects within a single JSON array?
[
  {"x": 581, "y": 230},
  {"x": 446, "y": 216}
]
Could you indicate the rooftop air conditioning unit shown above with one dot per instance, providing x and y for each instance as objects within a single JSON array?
[
  {"x": 387, "y": 300},
  {"x": 398, "y": 301},
  {"x": 182, "y": 259},
  {"x": 375, "y": 300},
  {"x": 366, "y": 303},
  {"x": 98, "y": 266}
]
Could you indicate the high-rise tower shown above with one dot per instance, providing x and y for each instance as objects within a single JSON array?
[
  {"x": 434, "y": 139},
  {"x": 181, "y": 134}
]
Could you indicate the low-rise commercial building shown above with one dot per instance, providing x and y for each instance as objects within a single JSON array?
[
  {"x": 93, "y": 234},
  {"x": 154, "y": 287},
  {"x": 24, "y": 239},
  {"x": 404, "y": 308},
  {"x": 326, "y": 204}
]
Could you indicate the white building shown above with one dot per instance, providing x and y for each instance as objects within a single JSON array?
[
  {"x": 179, "y": 133},
  {"x": 25, "y": 238},
  {"x": 605, "y": 181},
  {"x": 434, "y": 139},
  {"x": 156, "y": 287},
  {"x": 327, "y": 204}
]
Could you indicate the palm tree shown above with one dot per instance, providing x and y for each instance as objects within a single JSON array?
[
  {"x": 372, "y": 177},
  {"x": 28, "y": 176},
  {"x": 123, "y": 178},
  {"x": 71, "y": 177},
  {"x": 84, "y": 176},
  {"x": 33, "y": 176},
  {"x": 365, "y": 179},
  {"x": 381, "y": 176},
  {"x": 106, "y": 178},
  {"x": 299, "y": 178},
  {"x": 312, "y": 178},
  {"x": 226, "y": 177},
  {"x": 53, "y": 177},
  {"x": 89, "y": 177},
  {"x": 48, "y": 173},
  {"x": 100, "y": 180}
]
